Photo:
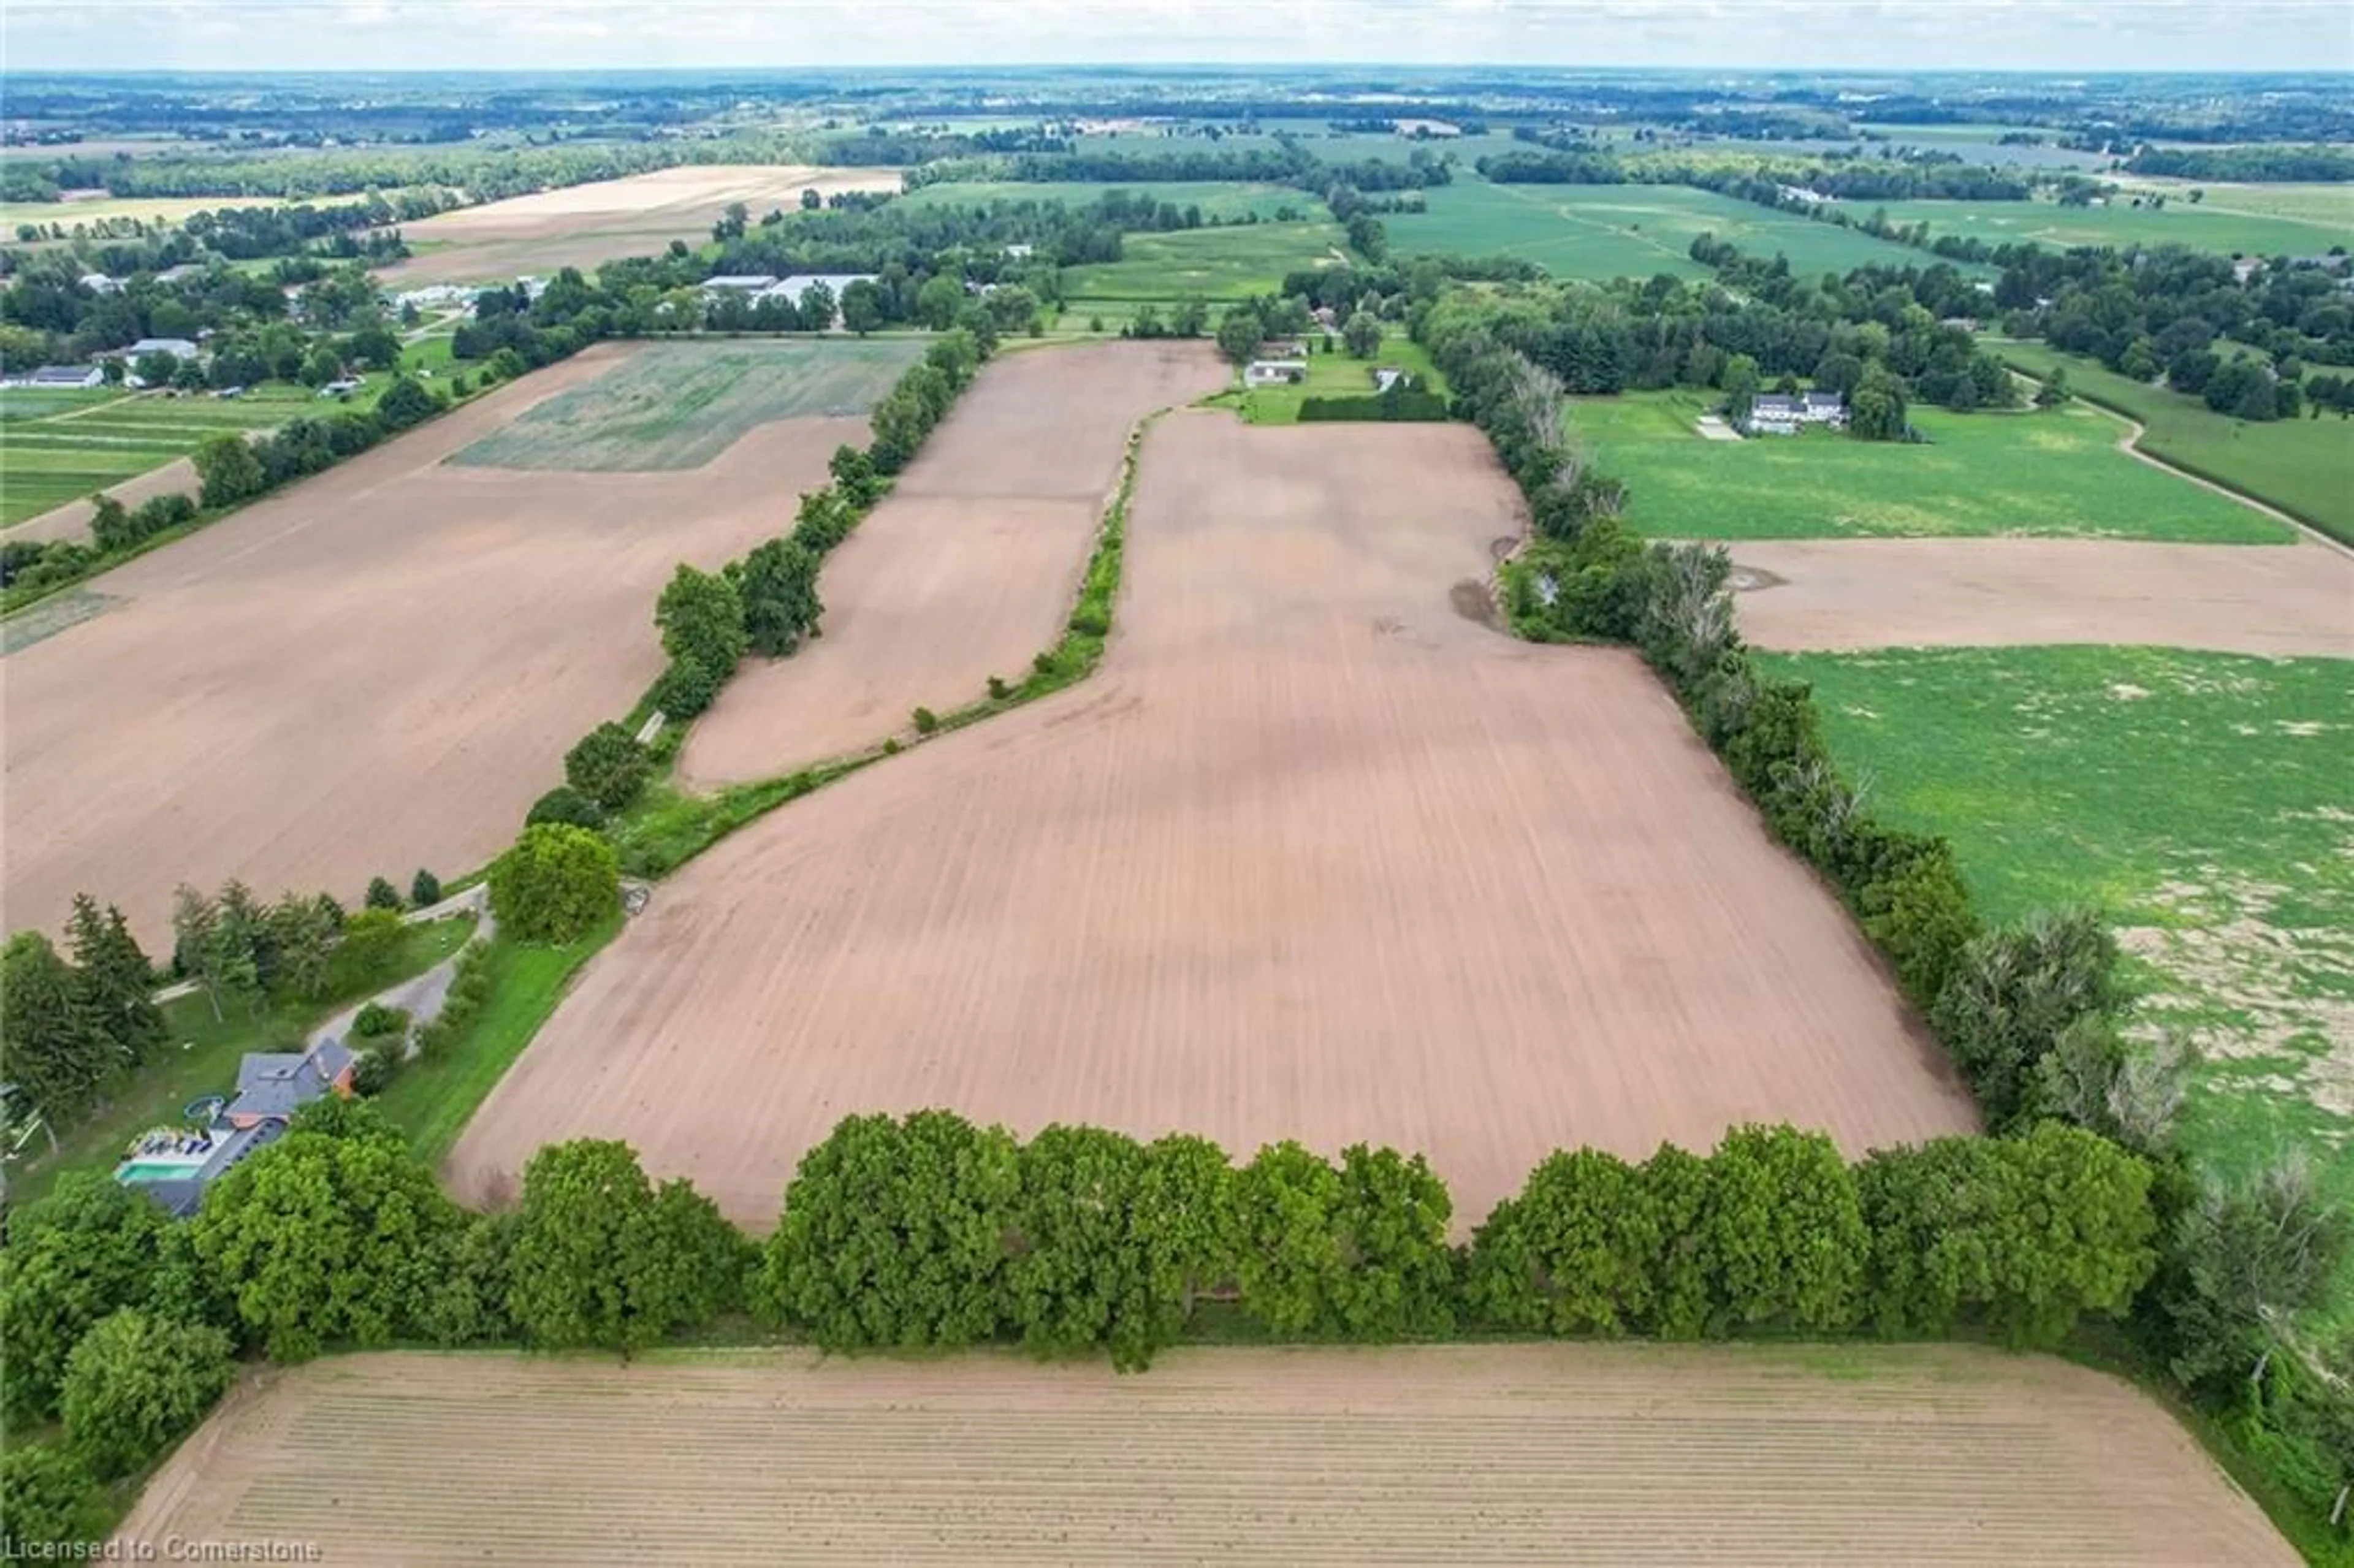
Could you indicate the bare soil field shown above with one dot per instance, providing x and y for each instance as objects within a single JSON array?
[
  {"x": 1574, "y": 1453},
  {"x": 581, "y": 226},
  {"x": 377, "y": 669},
  {"x": 1840, "y": 594},
  {"x": 967, "y": 569},
  {"x": 1314, "y": 855}
]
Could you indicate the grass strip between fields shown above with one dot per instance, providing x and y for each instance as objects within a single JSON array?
[
  {"x": 670, "y": 826},
  {"x": 432, "y": 1100}
]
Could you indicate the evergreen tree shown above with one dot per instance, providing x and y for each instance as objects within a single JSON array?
[
  {"x": 116, "y": 976},
  {"x": 53, "y": 1041}
]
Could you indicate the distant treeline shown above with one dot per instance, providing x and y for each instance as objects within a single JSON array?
[{"x": 2268, "y": 164}]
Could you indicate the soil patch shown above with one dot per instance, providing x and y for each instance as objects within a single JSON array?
[
  {"x": 1849, "y": 594},
  {"x": 379, "y": 668},
  {"x": 1611, "y": 1455},
  {"x": 1265, "y": 877}
]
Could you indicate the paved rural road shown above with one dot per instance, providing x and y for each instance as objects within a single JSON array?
[
  {"x": 421, "y": 996},
  {"x": 475, "y": 898}
]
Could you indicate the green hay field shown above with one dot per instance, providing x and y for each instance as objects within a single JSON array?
[
  {"x": 2200, "y": 799},
  {"x": 2053, "y": 474},
  {"x": 1217, "y": 199},
  {"x": 2201, "y": 228},
  {"x": 679, "y": 405},
  {"x": 2305, "y": 467},
  {"x": 57, "y": 446},
  {"x": 1232, "y": 263},
  {"x": 1613, "y": 231}
]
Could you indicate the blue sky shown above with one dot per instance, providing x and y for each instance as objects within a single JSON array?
[{"x": 2024, "y": 35}]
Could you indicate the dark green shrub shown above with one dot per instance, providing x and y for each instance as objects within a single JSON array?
[
  {"x": 382, "y": 895},
  {"x": 998, "y": 690},
  {"x": 566, "y": 805},
  {"x": 376, "y": 1021},
  {"x": 927, "y": 721},
  {"x": 685, "y": 690},
  {"x": 1576, "y": 1251},
  {"x": 424, "y": 889}
]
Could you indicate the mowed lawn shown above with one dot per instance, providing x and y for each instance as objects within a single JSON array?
[
  {"x": 2201, "y": 228},
  {"x": 1334, "y": 374},
  {"x": 679, "y": 405},
  {"x": 1627, "y": 230},
  {"x": 1227, "y": 200},
  {"x": 2053, "y": 474},
  {"x": 2302, "y": 466},
  {"x": 2199, "y": 799},
  {"x": 1236, "y": 262}
]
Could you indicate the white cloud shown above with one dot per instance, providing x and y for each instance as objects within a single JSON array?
[{"x": 2019, "y": 34}]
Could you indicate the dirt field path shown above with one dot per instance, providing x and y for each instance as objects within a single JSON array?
[
  {"x": 377, "y": 669},
  {"x": 967, "y": 567},
  {"x": 1314, "y": 855},
  {"x": 1617, "y": 1455},
  {"x": 1840, "y": 594}
]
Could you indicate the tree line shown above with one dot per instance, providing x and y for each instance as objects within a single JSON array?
[
  {"x": 2034, "y": 1016},
  {"x": 928, "y": 1232}
]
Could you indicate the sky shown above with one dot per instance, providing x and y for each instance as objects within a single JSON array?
[{"x": 1969, "y": 35}]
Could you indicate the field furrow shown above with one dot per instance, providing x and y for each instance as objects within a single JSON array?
[{"x": 1496, "y": 1454}]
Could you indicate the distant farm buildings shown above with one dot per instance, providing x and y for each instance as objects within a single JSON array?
[
  {"x": 1779, "y": 414},
  {"x": 177, "y": 347},
  {"x": 1275, "y": 373},
  {"x": 57, "y": 377}
]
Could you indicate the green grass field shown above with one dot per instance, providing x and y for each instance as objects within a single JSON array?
[
  {"x": 2054, "y": 473},
  {"x": 2199, "y": 799},
  {"x": 1333, "y": 375},
  {"x": 57, "y": 446},
  {"x": 1217, "y": 199},
  {"x": 200, "y": 1057},
  {"x": 1612, "y": 231},
  {"x": 2330, "y": 206},
  {"x": 679, "y": 405},
  {"x": 2201, "y": 228},
  {"x": 2305, "y": 467},
  {"x": 1232, "y": 263}
]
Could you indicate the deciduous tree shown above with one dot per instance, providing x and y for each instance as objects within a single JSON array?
[
  {"x": 136, "y": 1384},
  {"x": 324, "y": 1240},
  {"x": 556, "y": 885},
  {"x": 894, "y": 1234},
  {"x": 608, "y": 766},
  {"x": 1783, "y": 1233},
  {"x": 600, "y": 1259},
  {"x": 779, "y": 589},
  {"x": 1577, "y": 1252},
  {"x": 85, "y": 1250}
]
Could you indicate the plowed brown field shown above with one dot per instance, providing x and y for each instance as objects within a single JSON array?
[
  {"x": 581, "y": 226},
  {"x": 377, "y": 670},
  {"x": 1601, "y": 1453},
  {"x": 966, "y": 570},
  {"x": 1837, "y": 594},
  {"x": 1313, "y": 856}
]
